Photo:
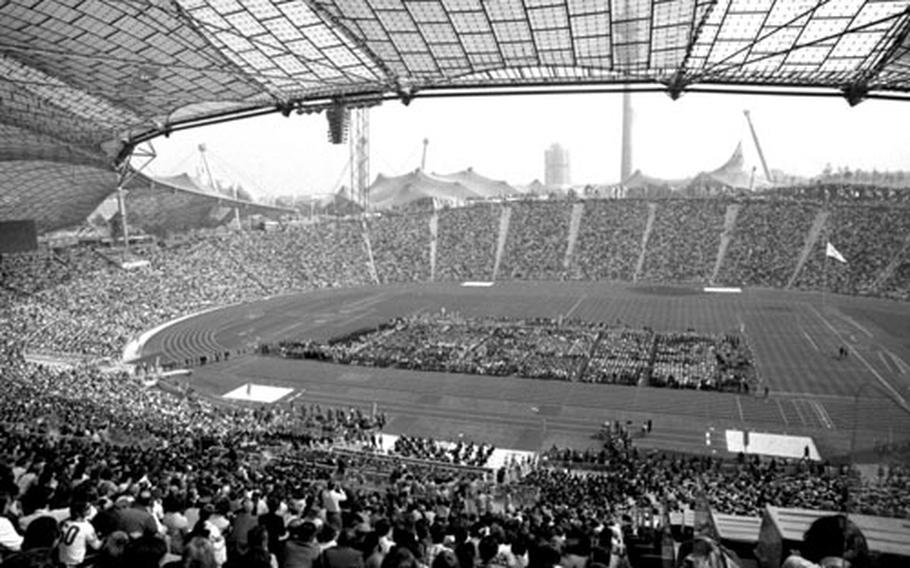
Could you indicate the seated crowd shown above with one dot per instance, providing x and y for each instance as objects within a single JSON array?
[
  {"x": 541, "y": 348},
  {"x": 137, "y": 474},
  {"x": 460, "y": 453}
]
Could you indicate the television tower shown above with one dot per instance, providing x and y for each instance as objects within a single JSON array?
[{"x": 625, "y": 167}]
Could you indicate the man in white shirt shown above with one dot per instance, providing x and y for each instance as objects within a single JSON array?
[
  {"x": 332, "y": 498},
  {"x": 76, "y": 536},
  {"x": 10, "y": 540}
]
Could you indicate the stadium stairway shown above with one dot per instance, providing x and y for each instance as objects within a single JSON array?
[
  {"x": 504, "y": 219},
  {"x": 368, "y": 247},
  {"x": 729, "y": 228},
  {"x": 811, "y": 238},
  {"x": 902, "y": 255},
  {"x": 639, "y": 267},
  {"x": 578, "y": 210}
]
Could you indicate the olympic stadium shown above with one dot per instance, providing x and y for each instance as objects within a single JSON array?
[{"x": 443, "y": 367}]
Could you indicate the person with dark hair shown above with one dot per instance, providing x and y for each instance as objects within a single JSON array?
[
  {"x": 466, "y": 552},
  {"x": 43, "y": 532},
  {"x": 145, "y": 552},
  {"x": 198, "y": 553},
  {"x": 829, "y": 542},
  {"x": 437, "y": 543},
  {"x": 10, "y": 539},
  {"x": 111, "y": 553},
  {"x": 274, "y": 526},
  {"x": 38, "y": 546},
  {"x": 372, "y": 551},
  {"x": 400, "y": 557},
  {"x": 445, "y": 559},
  {"x": 242, "y": 523},
  {"x": 257, "y": 555},
  {"x": 175, "y": 522},
  {"x": 344, "y": 554},
  {"x": 77, "y": 535},
  {"x": 300, "y": 549}
]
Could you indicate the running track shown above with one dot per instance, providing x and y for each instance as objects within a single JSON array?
[{"x": 794, "y": 336}]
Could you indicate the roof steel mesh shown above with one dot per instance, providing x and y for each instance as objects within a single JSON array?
[{"x": 86, "y": 78}]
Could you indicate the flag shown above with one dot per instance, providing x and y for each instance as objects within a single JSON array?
[{"x": 832, "y": 252}]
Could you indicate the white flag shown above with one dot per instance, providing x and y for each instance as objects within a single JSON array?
[{"x": 832, "y": 252}]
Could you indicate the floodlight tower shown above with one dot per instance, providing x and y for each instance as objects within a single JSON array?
[{"x": 359, "y": 145}]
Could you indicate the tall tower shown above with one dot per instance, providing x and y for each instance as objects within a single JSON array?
[
  {"x": 556, "y": 166},
  {"x": 360, "y": 155},
  {"x": 625, "y": 167}
]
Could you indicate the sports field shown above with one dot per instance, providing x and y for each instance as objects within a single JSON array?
[{"x": 795, "y": 337}]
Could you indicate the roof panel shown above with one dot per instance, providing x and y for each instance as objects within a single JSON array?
[{"x": 88, "y": 74}]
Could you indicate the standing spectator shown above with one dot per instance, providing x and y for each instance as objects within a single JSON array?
[
  {"x": 301, "y": 550},
  {"x": 273, "y": 523},
  {"x": 332, "y": 497},
  {"x": 77, "y": 535},
  {"x": 243, "y": 522}
]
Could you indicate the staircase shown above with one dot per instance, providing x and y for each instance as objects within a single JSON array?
[
  {"x": 888, "y": 271},
  {"x": 504, "y": 219},
  {"x": 434, "y": 233},
  {"x": 578, "y": 210},
  {"x": 371, "y": 264},
  {"x": 640, "y": 266},
  {"x": 811, "y": 238},
  {"x": 725, "y": 238}
]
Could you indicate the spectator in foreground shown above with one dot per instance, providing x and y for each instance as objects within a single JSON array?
[{"x": 832, "y": 541}]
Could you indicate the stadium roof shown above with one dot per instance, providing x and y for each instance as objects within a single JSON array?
[{"x": 83, "y": 81}]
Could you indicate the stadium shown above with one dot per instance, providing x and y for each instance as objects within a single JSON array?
[{"x": 443, "y": 371}]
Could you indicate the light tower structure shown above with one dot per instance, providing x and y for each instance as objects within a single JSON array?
[{"x": 359, "y": 166}]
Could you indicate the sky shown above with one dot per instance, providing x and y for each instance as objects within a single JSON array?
[{"x": 504, "y": 137}]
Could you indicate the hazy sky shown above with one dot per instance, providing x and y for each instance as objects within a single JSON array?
[{"x": 505, "y": 138}]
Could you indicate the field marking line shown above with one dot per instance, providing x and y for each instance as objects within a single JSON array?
[
  {"x": 739, "y": 407},
  {"x": 856, "y": 324},
  {"x": 782, "y": 413},
  {"x": 575, "y": 306},
  {"x": 888, "y": 364},
  {"x": 794, "y": 394},
  {"x": 823, "y": 416},
  {"x": 900, "y": 400},
  {"x": 798, "y": 411},
  {"x": 900, "y": 363},
  {"x": 809, "y": 339}
]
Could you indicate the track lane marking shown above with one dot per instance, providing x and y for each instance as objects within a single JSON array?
[{"x": 884, "y": 383}]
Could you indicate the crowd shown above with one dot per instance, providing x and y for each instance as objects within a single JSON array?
[
  {"x": 458, "y": 453},
  {"x": 466, "y": 243},
  {"x": 75, "y": 300},
  {"x": 705, "y": 362},
  {"x": 536, "y": 243},
  {"x": 869, "y": 238},
  {"x": 609, "y": 240},
  {"x": 766, "y": 244},
  {"x": 541, "y": 348},
  {"x": 684, "y": 240},
  {"x": 150, "y": 471},
  {"x": 401, "y": 249},
  {"x": 143, "y": 473}
]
